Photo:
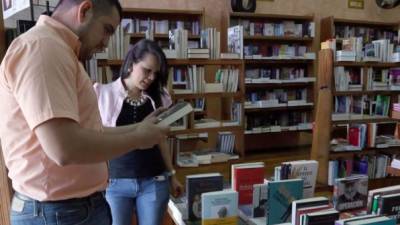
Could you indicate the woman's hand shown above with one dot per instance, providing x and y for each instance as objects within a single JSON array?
[{"x": 176, "y": 187}]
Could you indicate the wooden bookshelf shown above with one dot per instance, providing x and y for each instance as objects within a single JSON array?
[
  {"x": 277, "y": 85},
  {"x": 202, "y": 95},
  {"x": 217, "y": 62},
  {"x": 280, "y": 63},
  {"x": 321, "y": 149},
  {"x": 164, "y": 14},
  {"x": 217, "y": 105},
  {"x": 161, "y": 36},
  {"x": 180, "y": 62},
  {"x": 278, "y": 17},
  {"x": 367, "y": 64},
  {"x": 206, "y": 130},
  {"x": 278, "y": 38},
  {"x": 281, "y": 108},
  {"x": 372, "y": 92}
]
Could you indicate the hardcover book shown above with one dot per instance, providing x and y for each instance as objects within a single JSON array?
[
  {"x": 195, "y": 186},
  {"x": 260, "y": 198},
  {"x": 174, "y": 113},
  {"x": 219, "y": 207},
  {"x": 244, "y": 176},
  {"x": 281, "y": 194},
  {"x": 350, "y": 192}
]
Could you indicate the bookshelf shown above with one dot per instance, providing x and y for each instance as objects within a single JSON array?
[
  {"x": 164, "y": 20},
  {"x": 321, "y": 148},
  {"x": 361, "y": 90},
  {"x": 217, "y": 104},
  {"x": 267, "y": 42}
]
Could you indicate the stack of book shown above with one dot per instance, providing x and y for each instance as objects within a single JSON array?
[{"x": 304, "y": 169}]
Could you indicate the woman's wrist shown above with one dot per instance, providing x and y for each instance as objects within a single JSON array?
[{"x": 171, "y": 172}]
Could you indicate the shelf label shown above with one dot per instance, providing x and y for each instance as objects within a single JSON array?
[{"x": 356, "y": 4}]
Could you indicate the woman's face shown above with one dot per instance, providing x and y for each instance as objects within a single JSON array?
[{"x": 144, "y": 72}]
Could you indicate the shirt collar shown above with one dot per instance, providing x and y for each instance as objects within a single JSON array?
[{"x": 66, "y": 34}]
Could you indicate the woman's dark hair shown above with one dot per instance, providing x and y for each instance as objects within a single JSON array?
[{"x": 136, "y": 54}]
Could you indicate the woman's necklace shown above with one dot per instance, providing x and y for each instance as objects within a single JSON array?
[{"x": 135, "y": 101}]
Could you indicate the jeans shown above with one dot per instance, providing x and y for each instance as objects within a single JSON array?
[
  {"x": 92, "y": 210},
  {"x": 148, "y": 196}
]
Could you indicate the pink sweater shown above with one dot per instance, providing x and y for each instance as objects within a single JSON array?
[{"x": 111, "y": 97}]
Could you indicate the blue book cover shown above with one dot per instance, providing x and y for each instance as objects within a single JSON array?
[
  {"x": 195, "y": 186},
  {"x": 281, "y": 194},
  {"x": 219, "y": 207}
]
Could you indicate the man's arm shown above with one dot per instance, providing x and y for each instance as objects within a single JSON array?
[{"x": 65, "y": 142}]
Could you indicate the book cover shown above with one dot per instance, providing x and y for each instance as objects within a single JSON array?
[
  {"x": 219, "y": 207},
  {"x": 390, "y": 206},
  {"x": 244, "y": 176},
  {"x": 306, "y": 203},
  {"x": 260, "y": 198},
  {"x": 195, "y": 186},
  {"x": 281, "y": 194},
  {"x": 174, "y": 113},
  {"x": 325, "y": 217},
  {"x": 235, "y": 40},
  {"x": 350, "y": 192},
  {"x": 306, "y": 170},
  {"x": 381, "y": 191}
]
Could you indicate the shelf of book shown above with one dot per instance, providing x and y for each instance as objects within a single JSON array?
[
  {"x": 368, "y": 64},
  {"x": 279, "y": 108},
  {"x": 345, "y": 154},
  {"x": 277, "y": 61},
  {"x": 280, "y": 17},
  {"x": 364, "y": 23},
  {"x": 276, "y": 47},
  {"x": 203, "y": 94},
  {"x": 372, "y": 92},
  {"x": 277, "y": 85},
  {"x": 109, "y": 62},
  {"x": 161, "y": 36},
  {"x": 278, "y": 38},
  {"x": 327, "y": 82},
  {"x": 180, "y": 62},
  {"x": 253, "y": 132},
  {"x": 147, "y": 12},
  {"x": 372, "y": 184},
  {"x": 217, "y": 62},
  {"x": 328, "y": 26},
  {"x": 369, "y": 120},
  {"x": 209, "y": 129}
]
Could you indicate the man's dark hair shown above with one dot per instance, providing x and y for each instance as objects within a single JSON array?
[{"x": 99, "y": 6}]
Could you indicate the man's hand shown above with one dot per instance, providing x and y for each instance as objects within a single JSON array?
[
  {"x": 153, "y": 116},
  {"x": 150, "y": 133}
]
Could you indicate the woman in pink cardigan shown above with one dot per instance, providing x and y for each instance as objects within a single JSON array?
[{"x": 139, "y": 180}]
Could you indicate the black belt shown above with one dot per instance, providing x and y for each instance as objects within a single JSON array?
[{"x": 71, "y": 200}]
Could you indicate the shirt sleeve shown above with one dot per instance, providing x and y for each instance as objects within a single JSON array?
[{"x": 43, "y": 81}]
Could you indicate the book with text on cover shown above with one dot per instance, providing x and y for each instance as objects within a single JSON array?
[
  {"x": 219, "y": 207},
  {"x": 174, "y": 113}
]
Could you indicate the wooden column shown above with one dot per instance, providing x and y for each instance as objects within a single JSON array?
[{"x": 323, "y": 117}]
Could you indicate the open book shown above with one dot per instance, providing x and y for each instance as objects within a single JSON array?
[{"x": 174, "y": 113}]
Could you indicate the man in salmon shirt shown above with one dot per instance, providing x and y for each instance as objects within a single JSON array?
[{"x": 53, "y": 141}]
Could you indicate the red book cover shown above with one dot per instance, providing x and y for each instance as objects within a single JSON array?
[
  {"x": 354, "y": 133},
  {"x": 244, "y": 180}
]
